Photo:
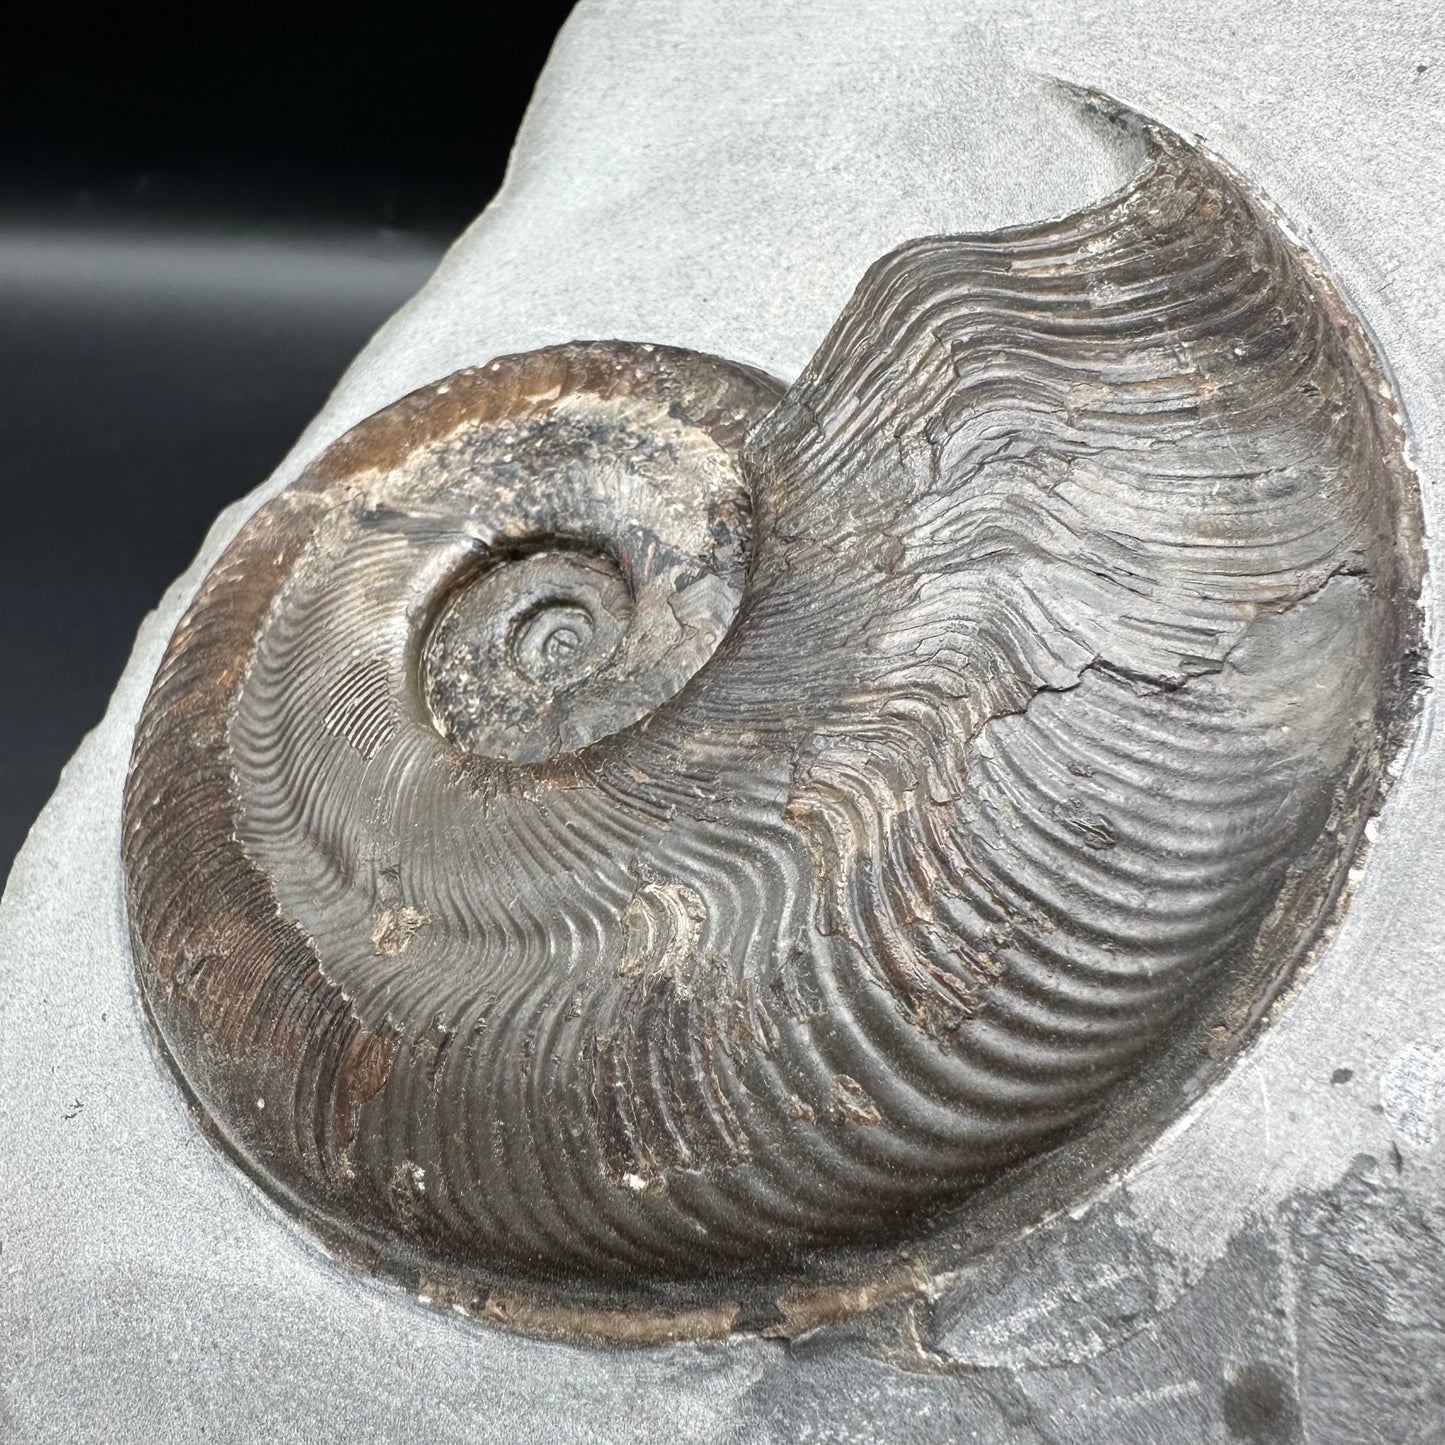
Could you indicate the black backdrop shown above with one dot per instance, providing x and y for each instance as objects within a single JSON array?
[{"x": 199, "y": 227}]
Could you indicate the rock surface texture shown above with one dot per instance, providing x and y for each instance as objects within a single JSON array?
[{"x": 710, "y": 181}]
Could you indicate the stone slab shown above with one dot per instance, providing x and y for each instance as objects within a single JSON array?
[{"x": 717, "y": 174}]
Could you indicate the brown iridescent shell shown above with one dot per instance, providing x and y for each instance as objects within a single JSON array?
[{"x": 636, "y": 851}]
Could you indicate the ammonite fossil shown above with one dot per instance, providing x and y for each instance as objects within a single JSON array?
[{"x": 620, "y": 844}]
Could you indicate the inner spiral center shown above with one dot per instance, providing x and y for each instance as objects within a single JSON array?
[
  {"x": 523, "y": 659},
  {"x": 553, "y": 642},
  {"x": 615, "y": 570}
]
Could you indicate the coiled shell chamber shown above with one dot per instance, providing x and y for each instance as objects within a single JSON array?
[{"x": 638, "y": 852}]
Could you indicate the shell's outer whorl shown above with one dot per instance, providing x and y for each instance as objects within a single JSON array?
[{"x": 576, "y": 856}]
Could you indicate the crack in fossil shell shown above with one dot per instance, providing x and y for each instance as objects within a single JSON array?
[{"x": 655, "y": 840}]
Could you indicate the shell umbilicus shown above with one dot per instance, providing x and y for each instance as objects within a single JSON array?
[{"x": 615, "y": 831}]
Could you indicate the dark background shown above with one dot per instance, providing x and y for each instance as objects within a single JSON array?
[{"x": 199, "y": 227}]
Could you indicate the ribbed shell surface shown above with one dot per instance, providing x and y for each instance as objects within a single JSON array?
[{"x": 985, "y": 708}]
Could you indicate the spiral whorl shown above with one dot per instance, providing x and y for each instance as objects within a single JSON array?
[{"x": 573, "y": 851}]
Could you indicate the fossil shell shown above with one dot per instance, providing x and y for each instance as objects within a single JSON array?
[{"x": 576, "y": 854}]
